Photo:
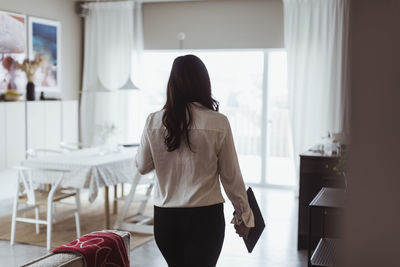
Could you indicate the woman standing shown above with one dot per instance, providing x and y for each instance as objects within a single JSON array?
[{"x": 190, "y": 146}]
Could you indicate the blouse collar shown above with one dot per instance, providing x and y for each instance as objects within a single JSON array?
[{"x": 197, "y": 104}]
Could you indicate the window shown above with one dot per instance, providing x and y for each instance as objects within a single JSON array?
[
  {"x": 280, "y": 169},
  {"x": 239, "y": 83}
]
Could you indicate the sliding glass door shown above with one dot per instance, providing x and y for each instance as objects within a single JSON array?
[
  {"x": 237, "y": 79},
  {"x": 251, "y": 89},
  {"x": 279, "y": 160}
]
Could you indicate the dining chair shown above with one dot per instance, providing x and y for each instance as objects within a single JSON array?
[
  {"x": 30, "y": 196},
  {"x": 73, "y": 146},
  {"x": 122, "y": 193},
  {"x": 140, "y": 191},
  {"x": 126, "y": 145},
  {"x": 39, "y": 152}
]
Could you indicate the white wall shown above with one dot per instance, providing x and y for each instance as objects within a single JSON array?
[
  {"x": 71, "y": 36},
  {"x": 214, "y": 24}
]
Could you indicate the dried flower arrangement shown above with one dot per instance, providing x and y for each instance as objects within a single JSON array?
[
  {"x": 341, "y": 167},
  {"x": 30, "y": 66}
]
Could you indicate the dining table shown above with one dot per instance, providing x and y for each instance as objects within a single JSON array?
[{"x": 92, "y": 169}]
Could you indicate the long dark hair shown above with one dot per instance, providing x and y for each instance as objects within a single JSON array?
[{"x": 188, "y": 82}]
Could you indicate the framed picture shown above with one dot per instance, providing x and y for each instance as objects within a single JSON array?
[
  {"x": 13, "y": 49},
  {"x": 45, "y": 39}
]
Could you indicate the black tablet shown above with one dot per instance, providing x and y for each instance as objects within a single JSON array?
[{"x": 259, "y": 225}]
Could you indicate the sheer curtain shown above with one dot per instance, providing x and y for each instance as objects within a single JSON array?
[
  {"x": 316, "y": 34},
  {"x": 113, "y": 37}
]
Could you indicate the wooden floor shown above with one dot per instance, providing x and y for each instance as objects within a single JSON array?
[{"x": 276, "y": 248}]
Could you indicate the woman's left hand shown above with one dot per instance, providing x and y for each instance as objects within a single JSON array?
[{"x": 242, "y": 230}]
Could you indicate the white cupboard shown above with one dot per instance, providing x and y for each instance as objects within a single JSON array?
[
  {"x": 53, "y": 124},
  {"x": 15, "y": 133},
  {"x": 12, "y": 144},
  {"x": 36, "y": 124},
  {"x": 44, "y": 124},
  {"x": 69, "y": 127},
  {"x": 2, "y": 136}
]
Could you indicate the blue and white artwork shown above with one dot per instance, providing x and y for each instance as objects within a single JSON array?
[{"x": 45, "y": 39}]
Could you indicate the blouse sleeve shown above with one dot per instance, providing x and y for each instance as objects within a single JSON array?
[
  {"x": 144, "y": 159},
  {"x": 232, "y": 180}
]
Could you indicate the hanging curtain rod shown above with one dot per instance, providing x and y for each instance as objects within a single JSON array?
[
  {"x": 107, "y": 1},
  {"x": 143, "y": 1},
  {"x": 81, "y": 9}
]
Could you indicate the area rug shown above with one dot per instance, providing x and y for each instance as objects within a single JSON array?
[{"x": 64, "y": 231}]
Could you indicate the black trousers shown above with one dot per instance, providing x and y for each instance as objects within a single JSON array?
[{"x": 190, "y": 237}]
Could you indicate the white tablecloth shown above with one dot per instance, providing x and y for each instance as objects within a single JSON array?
[{"x": 89, "y": 168}]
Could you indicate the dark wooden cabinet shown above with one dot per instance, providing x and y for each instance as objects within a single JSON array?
[{"x": 316, "y": 171}]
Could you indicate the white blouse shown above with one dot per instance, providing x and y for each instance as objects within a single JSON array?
[{"x": 188, "y": 178}]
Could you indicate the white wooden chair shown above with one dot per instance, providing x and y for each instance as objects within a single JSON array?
[
  {"x": 137, "y": 222},
  {"x": 72, "y": 146},
  {"x": 37, "y": 152},
  {"x": 30, "y": 196}
]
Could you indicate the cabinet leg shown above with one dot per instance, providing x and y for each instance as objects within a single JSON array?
[
  {"x": 115, "y": 203},
  {"x": 323, "y": 222},
  {"x": 106, "y": 208},
  {"x": 309, "y": 236}
]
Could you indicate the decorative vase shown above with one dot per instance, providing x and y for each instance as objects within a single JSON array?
[
  {"x": 11, "y": 85},
  {"x": 30, "y": 91}
]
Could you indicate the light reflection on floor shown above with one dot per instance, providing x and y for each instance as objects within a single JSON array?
[
  {"x": 276, "y": 247},
  {"x": 280, "y": 170}
]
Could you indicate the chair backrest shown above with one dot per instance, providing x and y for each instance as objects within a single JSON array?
[
  {"x": 27, "y": 184},
  {"x": 37, "y": 152},
  {"x": 25, "y": 179},
  {"x": 72, "y": 146}
]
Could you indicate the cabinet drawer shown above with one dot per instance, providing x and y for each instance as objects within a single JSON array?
[
  {"x": 304, "y": 219},
  {"x": 310, "y": 185},
  {"x": 303, "y": 226},
  {"x": 333, "y": 225},
  {"x": 319, "y": 166},
  {"x": 332, "y": 181}
]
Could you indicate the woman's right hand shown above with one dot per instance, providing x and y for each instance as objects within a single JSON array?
[{"x": 242, "y": 230}]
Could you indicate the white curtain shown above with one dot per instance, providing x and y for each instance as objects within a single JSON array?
[
  {"x": 316, "y": 34},
  {"x": 113, "y": 45}
]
